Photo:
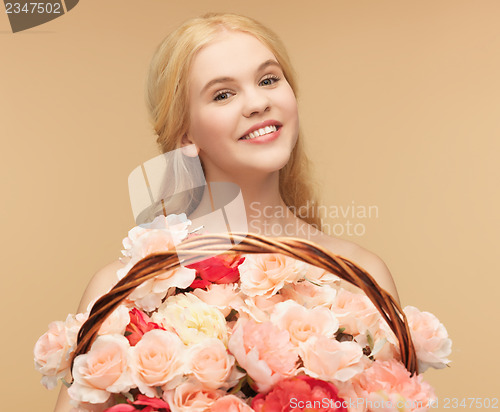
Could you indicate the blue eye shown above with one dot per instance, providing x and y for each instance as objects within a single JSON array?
[
  {"x": 268, "y": 81},
  {"x": 222, "y": 95}
]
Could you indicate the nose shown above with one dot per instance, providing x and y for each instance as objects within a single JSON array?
[{"x": 256, "y": 101}]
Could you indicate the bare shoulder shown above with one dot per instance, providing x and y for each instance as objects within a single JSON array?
[
  {"x": 103, "y": 280},
  {"x": 369, "y": 261}
]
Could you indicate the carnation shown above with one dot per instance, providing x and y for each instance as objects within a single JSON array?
[
  {"x": 301, "y": 393},
  {"x": 264, "y": 351},
  {"x": 192, "y": 319},
  {"x": 390, "y": 380}
]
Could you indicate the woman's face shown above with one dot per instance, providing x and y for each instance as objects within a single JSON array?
[{"x": 238, "y": 87}]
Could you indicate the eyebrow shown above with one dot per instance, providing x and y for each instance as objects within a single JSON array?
[{"x": 224, "y": 79}]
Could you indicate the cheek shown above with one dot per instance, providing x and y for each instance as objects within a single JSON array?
[
  {"x": 288, "y": 102},
  {"x": 210, "y": 125},
  {"x": 290, "y": 109}
]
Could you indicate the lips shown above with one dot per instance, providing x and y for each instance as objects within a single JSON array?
[{"x": 262, "y": 125}]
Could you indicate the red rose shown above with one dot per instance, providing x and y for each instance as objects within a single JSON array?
[
  {"x": 217, "y": 269},
  {"x": 138, "y": 326},
  {"x": 300, "y": 393}
]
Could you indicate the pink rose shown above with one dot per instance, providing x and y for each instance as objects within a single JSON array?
[
  {"x": 260, "y": 308},
  {"x": 230, "y": 403},
  {"x": 149, "y": 295},
  {"x": 300, "y": 393},
  {"x": 302, "y": 323},
  {"x": 163, "y": 233},
  {"x": 320, "y": 276},
  {"x": 192, "y": 397},
  {"x": 329, "y": 359},
  {"x": 223, "y": 297},
  {"x": 212, "y": 365},
  {"x": 52, "y": 354},
  {"x": 355, "y": 312},
  {"x": 101, "y": 371},
  {"x": 266, "y": 273},
  {"x": 148, "y": 241},
  {"x": 217, "y": 269},
  {"x": 430, "y": 339},
  {"x": 157, "y": 360},
  {"x": 73, "y": 324},
  {"x": 390, "y": 381},
  {"x": 116, "y": 322},
  {"x": 384, "y": 345},
  {"x": 310, "y": 295},
  {"x": 53, "y": 350},
  {"x": 139, "y": 324},
  {"x": 264, "y": 351}
]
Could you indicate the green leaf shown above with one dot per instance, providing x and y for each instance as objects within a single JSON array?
[
  {"x": 119, "y": 398},
  {"x": 314, "y": 283},
  {"x": 238, "y": 387},
  {"x": 65, "y": 383},
  {"x": 369, "y": 340}
]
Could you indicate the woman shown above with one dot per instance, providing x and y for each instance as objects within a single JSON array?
[{"x": 223, "y": 84}]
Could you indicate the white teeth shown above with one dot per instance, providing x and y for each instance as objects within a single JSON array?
[{"x": 260, "y": 132}]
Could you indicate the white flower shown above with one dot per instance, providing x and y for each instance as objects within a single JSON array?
[
  {"x": 192, "y": 319},
  {"x": 161, "y": 235}
]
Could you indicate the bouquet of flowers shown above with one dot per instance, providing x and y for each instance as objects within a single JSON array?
[{"x": 239, "y": 332}]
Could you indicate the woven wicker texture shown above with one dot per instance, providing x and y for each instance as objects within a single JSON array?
[{"x": 195, "y": 248}]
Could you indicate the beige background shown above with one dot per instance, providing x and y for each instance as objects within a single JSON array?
[{"x": 400, "y": 109}]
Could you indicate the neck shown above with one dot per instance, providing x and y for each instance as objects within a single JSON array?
[{"x": 260, "y": 208}]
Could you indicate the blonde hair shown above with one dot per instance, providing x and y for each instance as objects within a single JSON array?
[{"x": 167, "y": 100}]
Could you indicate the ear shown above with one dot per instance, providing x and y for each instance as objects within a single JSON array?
[{"x": 188, "y": 148}]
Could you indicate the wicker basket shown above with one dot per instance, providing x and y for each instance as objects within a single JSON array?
[{"x": 197, "y": 247}]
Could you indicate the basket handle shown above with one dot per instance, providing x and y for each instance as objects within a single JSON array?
[{"x": 202, "y": 246}]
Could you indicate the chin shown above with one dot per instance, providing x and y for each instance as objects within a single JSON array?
[{"x": 270, "y": 164}]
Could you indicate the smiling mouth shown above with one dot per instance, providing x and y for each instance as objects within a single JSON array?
[{"x": 261, "y": 132}]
